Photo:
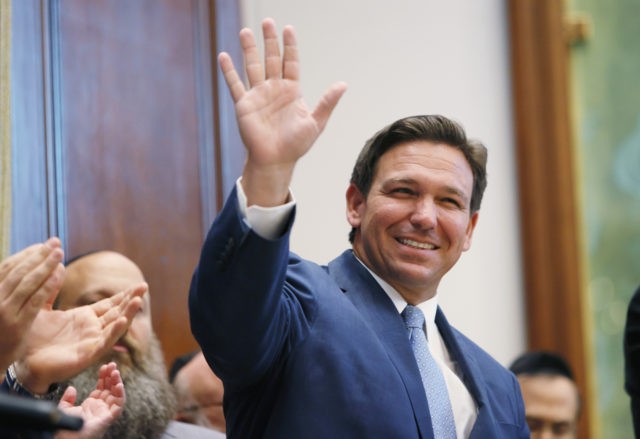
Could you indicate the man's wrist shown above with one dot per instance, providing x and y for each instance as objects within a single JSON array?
[{"x": 17, "y": 387}]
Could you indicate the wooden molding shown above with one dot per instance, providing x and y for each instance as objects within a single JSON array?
[{"x": 554, "y": 284}]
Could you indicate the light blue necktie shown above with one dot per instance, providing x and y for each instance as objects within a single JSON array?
[{"x": 432, "y": 378}]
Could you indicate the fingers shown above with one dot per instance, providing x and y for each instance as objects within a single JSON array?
[
  {"x": 10, "y": 262},
  {"x": 120, "y": 399},
  {"x": 116, "y": 314},
  {"x": 125, "y": 303},
  {"x": 31, "y": 278},
  {"x": 131, "y": 301},
  {"x": 234, "y": 83},
  {"x": 108, "y": 377},
  {"x": 272, "y": 60},
  {"x": 137, "y": 291},
  {"x": 39, "y": 277},
  {"x": 114, "y": 382},
  {"x": 68, "y": 398},
  {"x": 327, "y": 103},
  {"x": 290, "y": 61},
  {"x": 103, "y": 376},
  {"x": 275, "y": 66},
  {"x": 99, "y": 345},
  {"x": 114, "y": 387},
  {"x": 52, "y": 286},
  {"x": 252, "y": 64},
  {"x": 25, "y": 271},
  {"x": 46, "y": 278}
]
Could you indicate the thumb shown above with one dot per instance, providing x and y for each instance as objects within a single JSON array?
[
  {"x": 327, "y": 103},
  {"x": 68, "y": 398}
]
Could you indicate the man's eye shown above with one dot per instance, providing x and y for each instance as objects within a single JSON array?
[
  {"x": 562, "y": 428},
  {"x": 534, "y": 424},
  {"x": 451, "y": 201},
  {"x": 403, "y": 190}
]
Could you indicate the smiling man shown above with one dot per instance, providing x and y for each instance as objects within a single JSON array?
[{"x": 340, "y": 350}]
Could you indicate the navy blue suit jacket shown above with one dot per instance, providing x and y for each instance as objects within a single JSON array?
[{"x": 310, "y": 351}]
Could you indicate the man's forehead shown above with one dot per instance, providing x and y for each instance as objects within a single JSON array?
[
  {"x": 434, "y": 155},
  {"x": 72, "y": 297},
  {"x": 552, "y": 391},
  {"x": 96, "y": 276}
]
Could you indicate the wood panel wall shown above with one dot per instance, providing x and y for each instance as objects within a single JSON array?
[
  {"x": 554, "y": 281},
  {"x": 124, "y": 134}
]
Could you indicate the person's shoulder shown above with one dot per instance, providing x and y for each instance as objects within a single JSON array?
[
  {"x": 635, "y": 298},
  {"x": 181, "y": 430}
]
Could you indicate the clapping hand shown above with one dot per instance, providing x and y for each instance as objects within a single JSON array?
[
  {"x": 61, "y": 344},
  {"x": 99, "y": 409},
  {"x": 29, "y": 279}
]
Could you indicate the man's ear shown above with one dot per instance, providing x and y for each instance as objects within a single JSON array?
[
  {"x": 355, "y": 203},
  {"x": 470, "y": 228}
]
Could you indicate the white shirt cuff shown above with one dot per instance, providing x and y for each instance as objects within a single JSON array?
[{"x": 267, "y": 222}]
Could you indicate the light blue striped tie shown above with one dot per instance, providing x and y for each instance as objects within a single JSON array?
[{"x": 432, "y": 378}]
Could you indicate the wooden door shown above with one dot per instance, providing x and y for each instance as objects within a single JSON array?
[{"x": 131, "y": 143}]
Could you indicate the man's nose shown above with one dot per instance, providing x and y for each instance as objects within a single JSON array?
[{"x": 425, "y": 213}]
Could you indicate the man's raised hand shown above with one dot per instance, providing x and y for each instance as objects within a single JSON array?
[{"x": 275, "y": 123}]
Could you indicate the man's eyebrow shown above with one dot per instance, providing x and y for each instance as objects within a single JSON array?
[
  {"x": 456, "y": 191},
  {"x": 391, "y": 182},
  {"x": 405, "y": 180}
]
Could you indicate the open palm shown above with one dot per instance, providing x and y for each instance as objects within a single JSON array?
[
  {"x": 275, "y": 124},
  {"x": 99, "y": 409},
  {"x": 63, "y": 343}
]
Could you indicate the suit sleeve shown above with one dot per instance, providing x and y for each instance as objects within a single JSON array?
[
  {"x": 238, "y": 310},
  {"x": 521, "y": 419}
]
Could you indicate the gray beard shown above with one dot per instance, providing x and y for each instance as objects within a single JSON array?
[{"x": 150, "y": 403}]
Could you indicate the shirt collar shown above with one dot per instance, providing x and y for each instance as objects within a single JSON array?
[{"x": 428, "y": 307}]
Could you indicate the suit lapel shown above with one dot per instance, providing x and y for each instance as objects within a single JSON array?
[
  {"x": 379, "y": 313},
  {"x": 472, "y": 377}
]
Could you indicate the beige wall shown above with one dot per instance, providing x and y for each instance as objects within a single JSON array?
[{"x": 401, "y": 58}]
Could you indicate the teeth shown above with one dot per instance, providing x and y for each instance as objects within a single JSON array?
[{"x": 417, "y": 244}]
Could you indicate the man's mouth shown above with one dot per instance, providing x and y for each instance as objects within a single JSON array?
[
  {"x": 120, "y": 348},
  {"x": 416, "y": 244}
]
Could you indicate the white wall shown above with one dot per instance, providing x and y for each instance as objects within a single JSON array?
[{"x": 400, "y": 58}]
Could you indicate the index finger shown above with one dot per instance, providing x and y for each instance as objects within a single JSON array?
[
  {"x": 231, "y": 77},
  {"x": 124, "y": 303}
]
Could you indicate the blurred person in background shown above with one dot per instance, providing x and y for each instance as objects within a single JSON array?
[
  {"x": 551, "y": 398},
  {"x": 199, "y": 392},
  {"x": 632, "y": 358}
]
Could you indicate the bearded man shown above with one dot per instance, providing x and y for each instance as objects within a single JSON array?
[{"x": 150, "y": 407}]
